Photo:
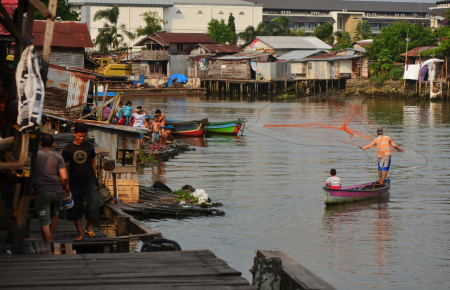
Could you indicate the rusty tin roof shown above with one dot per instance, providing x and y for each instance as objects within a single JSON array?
[{"x": 65, "y": 34}]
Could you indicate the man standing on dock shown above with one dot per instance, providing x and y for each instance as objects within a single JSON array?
[
  {"x": 80, "y": 156},
  {"x": 50, "y": 185},
  {"x": 384, "y": 153},
  {"x": 162, "y": 122}
]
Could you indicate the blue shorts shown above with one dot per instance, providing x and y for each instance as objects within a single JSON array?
[
  {"x": 384, "y": 163},
  {"x": 141, "y": 136}
]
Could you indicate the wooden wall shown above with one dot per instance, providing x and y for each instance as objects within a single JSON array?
[{"x": 226, "y": 69}]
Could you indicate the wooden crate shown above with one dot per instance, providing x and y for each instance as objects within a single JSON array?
[{"x": 127, "y": 189}]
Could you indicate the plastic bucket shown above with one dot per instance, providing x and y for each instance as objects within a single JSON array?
[{"x": 67, "y": 202}]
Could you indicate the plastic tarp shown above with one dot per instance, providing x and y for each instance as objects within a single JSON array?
[
  {"x": 178, "y": 78},
  {"x": 411, "y": 72},
  {"x": 432, "y": 60}
]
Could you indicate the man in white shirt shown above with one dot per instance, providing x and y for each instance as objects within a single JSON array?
[{"x": 139, "y": 120}]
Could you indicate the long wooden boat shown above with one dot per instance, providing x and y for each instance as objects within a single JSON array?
[
  {"x": 188, "y": 128},
  {"x": 356, "y": 192},
  {"x": 230, "y": 127}
]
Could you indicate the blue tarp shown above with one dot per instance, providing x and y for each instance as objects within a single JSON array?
[{"x": 178, "y": 77}]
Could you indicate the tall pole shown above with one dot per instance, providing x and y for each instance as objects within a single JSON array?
[{"x": 406, "y": 59}]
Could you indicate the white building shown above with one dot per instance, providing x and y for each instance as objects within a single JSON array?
[{"x": 181, "y": 15}]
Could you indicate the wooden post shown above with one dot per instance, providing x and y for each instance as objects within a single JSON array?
[
  {"x": 96, "y": 100},
  {"x": 441, "y": 89},
  {"x": 21, "y": 215},
  {"x": 104, "y": 94},
  {"x": 124, "y": 157},
  {"x": 123, "y": 229},
  {"x": 115, "y": 194},
  {"x": 267, "y": 275},
  {"x": 48, "y": 40}
]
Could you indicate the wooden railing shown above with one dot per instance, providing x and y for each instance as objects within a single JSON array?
[{"x": 154, "y": 55}]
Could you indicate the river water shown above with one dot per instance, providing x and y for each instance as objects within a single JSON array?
[{"x": 270, "y": 180}]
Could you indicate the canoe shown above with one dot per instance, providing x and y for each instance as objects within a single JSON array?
[
  {"x": 229, "y": 127},
  {"x": 356, "y": 192},
  {"x": 188, "y": 128}
]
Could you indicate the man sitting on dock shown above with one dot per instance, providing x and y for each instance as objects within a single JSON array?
[
  {"x": 384, "y": 153},
  {"x": 50, "y": 185},
  {"x": 162, "y": 121},
  {"x": 80, "y": 156}
]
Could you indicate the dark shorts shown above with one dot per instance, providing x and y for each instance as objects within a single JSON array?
[
  {"x": 79, "y": 195},
  {"x": 48, "y": 204},
  {"x": 141, "y": 136}
]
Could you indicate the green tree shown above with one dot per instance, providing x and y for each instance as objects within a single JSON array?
[
  {"x": 279, "y": 26},
  {"x": 392, "y": 42},
  {"x": 232, "y": 29},
  {"x": 153, "y": 24},
  {"x": 218, "y": 31},
  {"x": 362, "y": 31},
  {"x": 109, "y": 34},
  {"x": 300, "y": 32},
  {"x": 343, "y": 40},
  {"x": 63, "y": 11},
  {"x": 325, "y": 33}
]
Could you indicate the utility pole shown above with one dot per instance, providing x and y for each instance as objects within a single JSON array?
[{"x": 406, "y": 59}]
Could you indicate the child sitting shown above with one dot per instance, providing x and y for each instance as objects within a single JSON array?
[{"x": 333, "y": 182}]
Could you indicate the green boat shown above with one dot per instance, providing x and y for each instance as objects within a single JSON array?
[{"x": 229, "y": 127}]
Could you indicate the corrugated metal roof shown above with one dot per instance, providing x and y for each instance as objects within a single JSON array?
[
  {"x": 294, "y": 42},
  {"x": 10, "y": 7},
  {"x": 221, "y": 48},
  {"x": 415, "y": 52},
  {"x": 215, "y": 2},
  {"x": 243, "y": 55},
  {"x": 358, "y": 6},
  {"x": 76, "y": 85},
  {"x": 299, "y": 54},
  {"x": 300, "y": 18},
  {"x": 329, "y": 57},
  {"x": 132, "y": 56},
  {"x": 167, "y": 38},
  {"x": 147, "y": 3},
  {"x": 65, "y": 34},
  {"x": 185, "y": 37}
]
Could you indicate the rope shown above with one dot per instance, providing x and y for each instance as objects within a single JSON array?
[{"x": 258, "y": 115}]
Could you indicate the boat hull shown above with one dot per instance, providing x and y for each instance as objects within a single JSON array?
[
  {"x": 231, "y": 127},
  {"x": 355, "y": 193},
  {"x": 188, "y": 128}
]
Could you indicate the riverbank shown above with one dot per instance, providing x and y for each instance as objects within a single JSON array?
[{"x": 395, "y": 89}]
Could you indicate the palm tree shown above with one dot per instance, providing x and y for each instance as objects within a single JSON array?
[
  {"x": 279, "y": 26},
  {"x": 109, "y": 34}
]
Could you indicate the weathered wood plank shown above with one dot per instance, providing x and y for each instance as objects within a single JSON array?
[{"x": 294, "y": 275}]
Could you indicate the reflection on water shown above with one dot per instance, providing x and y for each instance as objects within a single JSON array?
[
  {"x": 342, "y": 223},
  {"x": 270, "y": 182}
]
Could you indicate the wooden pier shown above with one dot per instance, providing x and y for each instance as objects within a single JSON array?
[
  {"x": 184, "y": 270},
  {"x": 299, "y": 86}
]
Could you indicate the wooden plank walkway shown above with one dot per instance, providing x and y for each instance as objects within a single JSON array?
[{"x": 186, "y": 270}]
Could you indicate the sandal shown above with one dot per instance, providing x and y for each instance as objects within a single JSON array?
[
  {"x": 90, "y": 234},
  {"x": 78, "y": 239}
]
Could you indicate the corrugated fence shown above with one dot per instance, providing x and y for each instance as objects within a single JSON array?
[{"x": 275, "y": 71}]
